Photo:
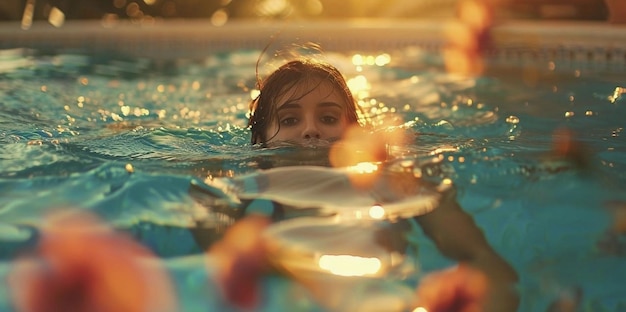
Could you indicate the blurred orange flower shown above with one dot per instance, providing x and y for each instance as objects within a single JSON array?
[
  {"x": 469, "y": 37},
  {"x": 240, "y": 260},
  {"x": 81, "y": 264}
]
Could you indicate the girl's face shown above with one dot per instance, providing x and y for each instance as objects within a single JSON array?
[{"x": 304, "y": 114}]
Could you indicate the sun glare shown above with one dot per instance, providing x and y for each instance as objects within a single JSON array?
[
  {"x": 363, "y": 167},
  {"x": 377, "y": 212},
  {"x": 359, "y": 86},
  {"x": 348, "y": 265}
]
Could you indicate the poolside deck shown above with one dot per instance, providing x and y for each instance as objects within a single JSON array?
[{"x": 597, "y": 42}]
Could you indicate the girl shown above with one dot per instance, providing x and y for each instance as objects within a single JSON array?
[
  {"x": 303, "y": 101},
  {"x": 308, "y": 102}
]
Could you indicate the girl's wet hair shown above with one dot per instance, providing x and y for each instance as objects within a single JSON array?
[{"x": 297, "y": 73}]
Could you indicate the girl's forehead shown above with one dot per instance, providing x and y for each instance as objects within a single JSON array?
[{"x": 310, "y": 87}]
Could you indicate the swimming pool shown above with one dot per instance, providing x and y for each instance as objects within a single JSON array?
[{"x": 71, "y": 121}]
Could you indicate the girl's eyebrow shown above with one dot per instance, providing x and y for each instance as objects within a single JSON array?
[
  {"x": 329, "y": 104},
  {"x": 289, "y": 105},
  {"x": 293, "y": 105}
]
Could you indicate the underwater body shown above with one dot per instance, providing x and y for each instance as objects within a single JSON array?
[{"x": 150, "y": 147}]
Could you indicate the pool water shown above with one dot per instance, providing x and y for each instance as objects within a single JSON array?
[{"x": 124, "y": 137}]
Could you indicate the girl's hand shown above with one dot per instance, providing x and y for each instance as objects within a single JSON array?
[{"x": 461, "y": 289}]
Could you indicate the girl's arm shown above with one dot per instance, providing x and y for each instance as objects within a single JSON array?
[{"x": 458, "y": 237}]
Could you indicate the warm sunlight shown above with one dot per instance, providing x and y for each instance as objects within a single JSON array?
[
  {"x": 363, "y": 167},
  {"x": 347, "y": 265},
  {"x": 377, "y": 212}
]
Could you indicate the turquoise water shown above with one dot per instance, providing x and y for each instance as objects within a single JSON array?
[{"x": 70, "y": 124}]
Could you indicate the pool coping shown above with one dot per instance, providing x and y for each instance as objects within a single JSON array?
[{"x": 593, "y": 41}]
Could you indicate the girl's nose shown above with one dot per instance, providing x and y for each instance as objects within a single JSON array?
[{"x": 311, "y": 131}]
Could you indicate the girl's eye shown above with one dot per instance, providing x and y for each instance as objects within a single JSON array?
[
  {"x": 289, "y": 121},
  {"x": 329, "y": 120}
]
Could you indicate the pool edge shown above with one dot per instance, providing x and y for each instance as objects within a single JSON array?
[{"x": 578, "y": 41}]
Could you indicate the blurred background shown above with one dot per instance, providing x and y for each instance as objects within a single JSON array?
[{"x": 221, "y": 11}]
